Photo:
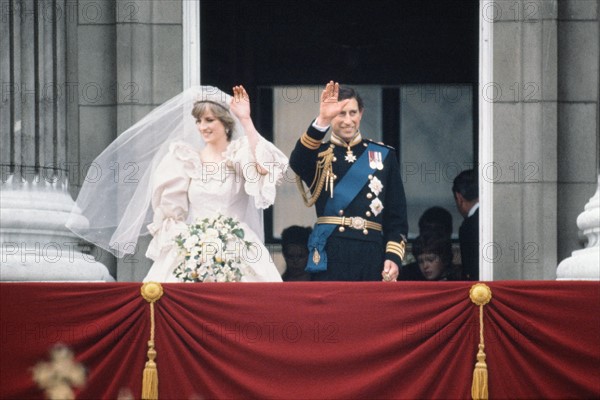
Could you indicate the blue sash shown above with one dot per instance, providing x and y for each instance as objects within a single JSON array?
[{"x": 345, "y": 191}]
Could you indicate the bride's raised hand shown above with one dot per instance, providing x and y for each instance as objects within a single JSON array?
[
  {"x": 240, "y": 107},
  {"x": 240, "y": 103}
]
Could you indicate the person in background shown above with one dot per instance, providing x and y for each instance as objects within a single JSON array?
[
  {"x": 294, "y": 246},
  {"x": 466, "y": 196},
  {"x": 437, "y": 220},
  {"x": 433, "y": 252}
]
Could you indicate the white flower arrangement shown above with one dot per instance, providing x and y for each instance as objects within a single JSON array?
[{"x": 211, "y": 251}]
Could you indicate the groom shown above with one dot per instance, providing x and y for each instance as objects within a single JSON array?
[{"x": 355, "y": 185}]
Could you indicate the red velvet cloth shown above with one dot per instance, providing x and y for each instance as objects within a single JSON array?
[{"x": 308, "y": 340}]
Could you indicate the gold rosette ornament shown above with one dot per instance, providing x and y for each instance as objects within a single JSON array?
[
  {"x": 480, "y": 294},
  {"x": 151, "y": 292}
]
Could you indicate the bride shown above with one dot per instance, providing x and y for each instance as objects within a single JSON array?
[{"x": 196, "y": 156}]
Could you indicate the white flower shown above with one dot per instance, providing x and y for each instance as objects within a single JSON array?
[
  {"x": 194, "y": 251},
  {"x": 190, "y": 242},
  {"x": 230, "y": 274},
  {"x": 212, "y": 247},
  {"x": 209, "y": 233},
  {"x": 376, "y": 186},
  {"x": 204, "y": 269},
  {"x": 191, "y": 263},
  {"x": 230, "y": 255},
  {"x": 376, "y": 206}
]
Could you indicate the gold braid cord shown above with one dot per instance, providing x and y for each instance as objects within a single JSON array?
[
  {"x": 151, "y": 292},
  {"x": 480, "y": 294},
  {"x": 323, "y": 177}
]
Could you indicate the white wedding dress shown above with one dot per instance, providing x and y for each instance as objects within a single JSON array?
[{"x": 185, "y": 188}]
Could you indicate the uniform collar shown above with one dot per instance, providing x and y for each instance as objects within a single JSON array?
[{"x": 335, "y": 139}]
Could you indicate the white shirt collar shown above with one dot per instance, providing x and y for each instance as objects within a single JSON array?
[{"x": 472, "y": 210}]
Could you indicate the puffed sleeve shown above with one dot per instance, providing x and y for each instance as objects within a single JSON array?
[
  {"x": 170, "y": 197},
  {"x": 261, "y": 187}
]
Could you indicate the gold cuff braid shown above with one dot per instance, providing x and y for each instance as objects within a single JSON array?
[{"x": 396, "y": 248}]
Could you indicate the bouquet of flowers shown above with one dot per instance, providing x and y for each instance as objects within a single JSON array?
[{"x": 211, "y": 251}]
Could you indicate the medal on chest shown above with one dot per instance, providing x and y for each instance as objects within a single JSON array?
[{"x": 375, "y": 160}]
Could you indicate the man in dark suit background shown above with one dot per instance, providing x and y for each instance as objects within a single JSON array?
[{"x": 466, "y": 195}]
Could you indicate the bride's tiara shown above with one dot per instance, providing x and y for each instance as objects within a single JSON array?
[{"x": 198, "y": 100}]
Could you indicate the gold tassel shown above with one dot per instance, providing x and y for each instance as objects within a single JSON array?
[
  {"x": 479, "y": 389},
  {"x": 151, "y": 292},
  {"x": 480, "y": 294}
]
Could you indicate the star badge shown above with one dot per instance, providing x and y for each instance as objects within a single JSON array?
[{"x": 350, "y": 157}]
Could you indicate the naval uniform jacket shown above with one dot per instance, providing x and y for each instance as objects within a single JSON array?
[{"x": 392, "y": 216}]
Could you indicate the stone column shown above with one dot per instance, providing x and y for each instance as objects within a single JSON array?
[
  {"x": 149, "y": 69},
  {"x": 34, "y": 122},
  {"x": 578, "y": 123},
  {"x": 579, "y": 145},
  {"x": 524, "y": 165}
]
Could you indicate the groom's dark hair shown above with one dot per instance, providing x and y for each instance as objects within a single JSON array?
[{"x": 350, "y": 93}]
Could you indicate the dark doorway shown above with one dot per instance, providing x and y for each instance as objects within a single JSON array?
[{"x": 387, "y": 42}]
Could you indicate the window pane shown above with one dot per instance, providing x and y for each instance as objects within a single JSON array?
[{"x": 436, "y": 136}]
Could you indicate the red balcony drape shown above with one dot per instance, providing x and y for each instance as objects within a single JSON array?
[{"x": 308, "y": 340}]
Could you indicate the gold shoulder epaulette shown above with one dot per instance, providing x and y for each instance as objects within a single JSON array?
[
  {"x": 379, "y": 144},
  {"x": 309, "y": 143}
]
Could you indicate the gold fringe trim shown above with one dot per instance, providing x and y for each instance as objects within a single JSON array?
[
  {"x": 151, "y": 292},
  {"x": 323, "y": 177},
  {"x": 480, "y": 294}
]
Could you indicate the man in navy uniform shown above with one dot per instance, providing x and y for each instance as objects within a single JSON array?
[{"x": 357, "y": 191}]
